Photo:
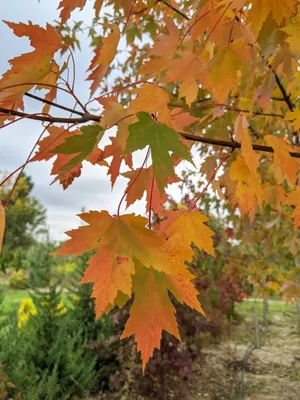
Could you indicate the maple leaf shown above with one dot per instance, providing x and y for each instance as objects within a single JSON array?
[
  {"x": 181, "y": 229},
  {"x": 116, "y": 151},
  {"x": 161, "y": 140},
  {"x": 141, "y": 181},
  {"x": 68, "y": 6},
  {"x": 290, "y": 290},
  {"x": 260, "y": 10},
  {"x": 147, "y": 323},
  {"x": 158, "y": 103},
  {"x": 242, "y": 135},
  {"x": 36, "y": 66},
  {"x": 248, "y": 191},
  {"x": 104, "y": 55},
  {"x": 2, "y": 224},
  {"x": 163, "y": 50},
  {"x": 294, "y": 116},
  {"x": 221, "y": 77},
  {"x": 116, "y": 114},
  {"x": 293, "y": 30},
  {"x": 119, "y": 242},
  {"x": 184, "y": 227},
  {"x": 285, "y": 165},
  {"x": 293, "y": 199},
  {"x": 71, "y": 148}
]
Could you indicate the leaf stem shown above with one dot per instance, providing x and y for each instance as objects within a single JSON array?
[
  {"x": 221, "y": 162},
  {"x": 134, "y": 180}
]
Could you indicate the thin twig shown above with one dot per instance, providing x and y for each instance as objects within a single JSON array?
[{"x": 51, "y": 103}]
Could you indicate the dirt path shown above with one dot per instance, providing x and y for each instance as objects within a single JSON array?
[{"x": 272, "y": 371}]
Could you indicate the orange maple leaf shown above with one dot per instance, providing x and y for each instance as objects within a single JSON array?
[
  {"x": 151, "y": 311},
  {"x": 57, "y": 136},
  {"x": 104, "y": 55},
  {"x": 248, "y": 190},
  {"x": 285, "y": 165},
  {"x": 68, "y": 6},
  {"x": 141, "y": 181},
  {"x": 242, "y": 136},
  {"x": 36, "y": 66},
  {"x": 119, "y": 242}
]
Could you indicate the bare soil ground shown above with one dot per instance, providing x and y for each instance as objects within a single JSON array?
[{"x": 272, "y": 371}]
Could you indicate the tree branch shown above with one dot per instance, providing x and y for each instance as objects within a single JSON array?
[
  {"x": 54, "y": 104},
  {"x": 232, "y": 145},
  {"x": 48, "y": 118},
  {"x": 174, "y": 9},
  {"x": 90, "y": 117},
  {"x": 284, "y": 93}
]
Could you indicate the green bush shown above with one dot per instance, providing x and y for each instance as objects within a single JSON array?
[
  {"x": 18, "y": 280},
  {"x": 56, "y": 352}
]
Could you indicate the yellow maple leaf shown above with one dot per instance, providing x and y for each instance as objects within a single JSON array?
[
  {"x": 154, "y": 100},
  {"x": 293, "y": 30},
  {"x": 242, "y": 136},
  {"x": 260, "y": 10},
  {"x": 222, "y": 76},
  {"x": 285, "y": 165},
  {"x": 249, "y": 192},
  {"x": 293, "y": 199},
  {"x": 294, "y": 116}
]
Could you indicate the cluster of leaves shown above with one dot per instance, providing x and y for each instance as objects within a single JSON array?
[{"x": 215, "y": 72}]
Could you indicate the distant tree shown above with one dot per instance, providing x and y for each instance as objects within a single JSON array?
[{"x": 25, "y": 219}]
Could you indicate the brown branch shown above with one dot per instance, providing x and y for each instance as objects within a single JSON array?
[
  {"x": 48, "y": 118},
  {"x": 232, "y": 145},
  {"x": 51, "y": 103},
  {"x": 286, "y": 97},
  {"x": 174, "y": 9},
  {"x": 90, "y": 117}
]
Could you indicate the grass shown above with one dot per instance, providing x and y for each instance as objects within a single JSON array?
[
  {"x": 276, "y": 306},
  {"x": 12, "y": 299}
]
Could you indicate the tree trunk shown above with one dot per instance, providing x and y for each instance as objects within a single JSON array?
[{"x": 265, "y": 311}]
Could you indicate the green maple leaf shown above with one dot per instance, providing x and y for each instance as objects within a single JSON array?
[
  {"x": 162, "y": 140},
  {"x": 79, "y": 145},
  {"x": 82, "y": 144}
]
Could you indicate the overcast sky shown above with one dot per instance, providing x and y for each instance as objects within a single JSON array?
[{"x": 92, "y": 190}]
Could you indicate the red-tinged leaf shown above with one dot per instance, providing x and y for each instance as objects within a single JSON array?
[
  {"x": 116, "y": 151},
  {"x": 140, "y": 181},
  {"x": 104, "y": 55},
  {"x": 45, "y": 41},
  {"x": 67, "y": 6},
  {"x": 119, "y": 242},
  {"x": 109, "y": 273},
  {"x": 128, "y": 232},
  {"x": 36, "y": 66},
  {"x": 2, "y": 224},
  {"x": 181, "y": 119},
  {"x": 151, "y": 312},
  {"x": 70, "y": 149}
]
